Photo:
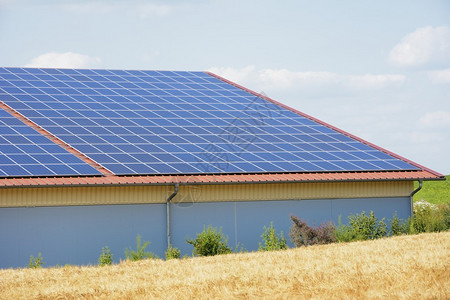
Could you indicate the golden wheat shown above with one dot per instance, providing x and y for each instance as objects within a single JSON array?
[{"x": 407, "y": 267}]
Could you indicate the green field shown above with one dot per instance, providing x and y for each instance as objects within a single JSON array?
[{"x": 436, "y": 192}]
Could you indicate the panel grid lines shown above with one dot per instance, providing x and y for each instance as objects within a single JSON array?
[{"x": 164, "y": 122}]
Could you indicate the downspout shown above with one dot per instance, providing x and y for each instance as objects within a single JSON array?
[
  {"x": 175, "y": 192},
  {"x": 411, "y": 197}
]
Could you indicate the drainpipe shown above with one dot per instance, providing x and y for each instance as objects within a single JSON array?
[
  {"x": 411, "y": 197},
  {"x": 175, "y": 192}
]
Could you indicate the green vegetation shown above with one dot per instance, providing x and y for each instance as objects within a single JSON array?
[
  {"x": 172, "y": 253},
  {"x": 430, "y": 218},
  {"x": 140, "y": 252},
  {"x": 271, "y": 240},
  {"x": 35, "y": 263},
  {"x": 106, "y": 258},
  {"x": 210, "y": 242},
  {"x": 436, "y": 192}
]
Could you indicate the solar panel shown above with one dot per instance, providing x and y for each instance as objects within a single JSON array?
[
  {"x": 167, "y": 122},
  {"x": 25, "y": 152}
]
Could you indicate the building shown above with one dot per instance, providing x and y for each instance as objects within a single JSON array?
[{"x": 92, "y": 158}]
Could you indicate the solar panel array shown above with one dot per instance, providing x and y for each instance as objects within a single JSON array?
[
  {"x": 164, "y": 122},
  {"x": 25, "y": 152}
]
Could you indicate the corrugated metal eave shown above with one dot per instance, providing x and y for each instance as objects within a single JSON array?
[{"x": 217, "y": 179}]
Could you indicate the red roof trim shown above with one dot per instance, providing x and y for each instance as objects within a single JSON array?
[
  {"x": 325, "y": 124},
  {"x": 55, "y": 139},
  {"x": 216, "y": 179}
]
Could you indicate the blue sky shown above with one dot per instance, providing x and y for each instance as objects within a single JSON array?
[{"x": 378, "y": 69}]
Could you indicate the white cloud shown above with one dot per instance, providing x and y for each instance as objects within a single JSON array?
[
  {"x": 371, "y": 81},
  {"x": 242, "y": 75},
  {"x": 286, "y": 79},
  {"x": 139, "y": 8},
  {"x": 283, "y": 78},
  {"x": 149, "y": 9},
  {"x": 63, "y": 60},
  {"x": 425, "y": 46},
  {"x": 440, "y": 76},
  {"x": 427, "y": 137},
  {"x": 435, "y": 119}
]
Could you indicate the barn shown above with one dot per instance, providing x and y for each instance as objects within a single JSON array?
[{"x": 93, "y": 158}]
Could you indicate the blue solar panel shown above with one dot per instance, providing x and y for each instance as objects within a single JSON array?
[
  {"x": 164, "y": 122},
  {"x": 25, "y": 152}
]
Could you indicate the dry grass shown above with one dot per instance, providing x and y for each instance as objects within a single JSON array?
[{"x": 407, "y": 267}]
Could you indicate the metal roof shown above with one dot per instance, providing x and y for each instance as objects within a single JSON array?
[{"x": 217, "y": 179}]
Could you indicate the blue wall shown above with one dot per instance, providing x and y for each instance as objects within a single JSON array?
[{"x": 76, "y": 234}]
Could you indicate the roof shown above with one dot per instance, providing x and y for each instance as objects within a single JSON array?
[
  {"x": 216, "y": 179},
  {"x": 78, "y": 126}
]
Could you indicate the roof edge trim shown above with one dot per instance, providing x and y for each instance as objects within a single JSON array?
[{"x": 324, "y": 124}]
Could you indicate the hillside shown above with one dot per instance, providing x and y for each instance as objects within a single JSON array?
[
  {"x": 435, "y": 192},
  {"x": 410, "y": 267}
]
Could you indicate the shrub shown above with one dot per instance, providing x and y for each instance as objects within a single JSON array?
[
  {"x": 304, "y": 235},
  {"x": 140, "y": 252},
  {"x": 445, "y": 210},
  {"x": 106, "y": 258},
  {"x": 345, "y": 233},
  {"x": 368, "y": 226},
  {"x": 210, "y": 242},
  {"x": 272, "y": 241},
  {"x": 172, "y": 253},
  {"x": 36, "y": 263},
  {"x": 399, "y": 227},
  {"x": 429, "y": 218}
]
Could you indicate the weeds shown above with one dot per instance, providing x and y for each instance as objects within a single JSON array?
[
  {"x": 430, "y": 218},
  {"x": 172, "y": 253},
  {"x": 272, "y": 241},
  {"x": 106, "y": 258},
  {"x": 36, "y": 263},
  {"x": 399, "y": 227},
  {"x": 140, "y": 252}
]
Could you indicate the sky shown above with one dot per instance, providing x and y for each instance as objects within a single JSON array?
[{"x": 377, "y": 69}]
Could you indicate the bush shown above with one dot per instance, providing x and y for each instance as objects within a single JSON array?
[
  {"x": 271, "y": 240},
  {"x": 36, "y": 263},
  {"x": 140, "y": 252},
  {"x": 172, "y": 253},
  {"x": 445, "y": 210},
  {"x": 368, "y": 227},
  {"x": 345, "y": 233},
  {"x": 304, "y": 235},
  {"x": 210, "y": 242},
  {"x": 399, "y": 227},
  {"x": 106, "y": 258},
  {"x": 430, "y": 218}
]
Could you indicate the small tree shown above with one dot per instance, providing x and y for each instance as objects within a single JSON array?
[
  {"x": 210, "y": 242},
  {"x": 106, "y": 258},
  {"x": 140, "y": 252},
  {"x": 272, "y": 241},
  {"x": 36, "y": 263}
]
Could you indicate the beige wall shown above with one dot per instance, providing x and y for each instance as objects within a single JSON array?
[{"x": 103, "y": 195}]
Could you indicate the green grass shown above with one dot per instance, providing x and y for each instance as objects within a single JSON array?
[{"x": 436, "y": 192}]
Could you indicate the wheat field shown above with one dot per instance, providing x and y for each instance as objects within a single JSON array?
[{"x": 406, "y": 267}]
